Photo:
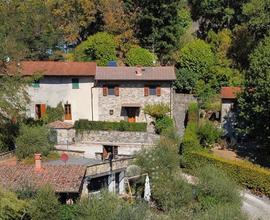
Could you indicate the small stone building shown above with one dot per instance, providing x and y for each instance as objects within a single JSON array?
[
  {"x": 124, "y": 91},
  {"x": 228, "y": 99}
]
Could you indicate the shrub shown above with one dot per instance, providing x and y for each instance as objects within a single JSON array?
[
  {"x": 85, "y": 125},
  {"x": 208, "y": 133},
  {"x": 31, "y": 140},
  {"x": 157, "y": 110},
  {"x": 214, "y": 187},
  {"x": 10, "y": 206},
  {"x": 54, "y": 114},
  {"x": 140, "y": 56},
  {"x": 245, "y": 173},
  {"x": 163, "y": 123},
  {"x": 190, "y": 139},
  {"x": 193, "y": 110},
  {"x": 45, "y": 205}
]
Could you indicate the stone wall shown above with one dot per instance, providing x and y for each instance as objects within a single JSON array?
[
  {"x": 117, "y": 137},
  {"x": 131, "y": 93},
  {"x": 62, "y": 136}
]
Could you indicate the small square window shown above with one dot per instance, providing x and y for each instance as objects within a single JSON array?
[
  {"x": 152, "y": 90},
  {"x": 36, "y": 84},
  {"x": 75, "y": 83},
  {"x": 111, "y": 90}
]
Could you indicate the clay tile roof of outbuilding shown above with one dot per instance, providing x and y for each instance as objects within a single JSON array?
[
  {"x": 62, "y": 178},
  {"x": 229, "y": 92},
  {"x": 162, "y": 73},
  {"x": 60, "y": 125},
  {"x": 53, "y": 68}
]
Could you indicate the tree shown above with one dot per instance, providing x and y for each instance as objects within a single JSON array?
[
  {"x": 159, "y": 26},
  {"x": 100, "y": 47},
  {"x": 196, "y": 61},
  {"x": 33, "y": 139},
  {"x": 74, "y": 18},
  {"x": 258, "y": 17},
  {"x": 45, "y": 205},
  {"x": 217, "y": 14},
  {"x": 254, "y": 112},
  {"x": 140, "y": 56}
]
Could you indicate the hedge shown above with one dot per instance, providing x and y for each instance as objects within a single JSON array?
[
  {"x": 85, "y": 125},
  {"x": 245, "y": 173}
]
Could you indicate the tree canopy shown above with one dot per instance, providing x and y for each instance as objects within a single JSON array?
[{"x": 140, "y": 56}]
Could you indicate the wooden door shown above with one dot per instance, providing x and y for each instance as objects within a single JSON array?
[
  {"x": 68, "y": 112},
  {"x": 131, "y": 114}
]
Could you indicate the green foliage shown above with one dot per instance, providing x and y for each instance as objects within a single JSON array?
[
  {"x": 100, "y": 47},
  {"x": 208, "y": 133},
  {"x": 254, "y": 112},
  {"x": 10, "y": 206},
  {"x": 190, "y": 139},
  {"x": 245, "y": 173},
  {"x": 31, "y": 140},
  {"x": 161, "y": 25},
  {"x": 8, "y": 133},
  {"x": 158, "y": 110},
  {"x": 163, "y": 123},
  {"x": 214, "y": 187},
  {"x": 85, "y": 125},
  {"x": 45, "y": 205},
  {"x": 140, "y": 56},
  {"x": 193, "y": 112},
  {"x": 54, "y": 113}
]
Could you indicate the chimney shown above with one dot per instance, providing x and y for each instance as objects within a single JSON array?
[
  {"x": 139, "y": 71},
  {"x": 37, "y": 162}
]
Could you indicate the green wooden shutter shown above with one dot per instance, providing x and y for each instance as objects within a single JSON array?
[
  {"x": 75, "y": 83},
  {"x": 35, "y": 84}
]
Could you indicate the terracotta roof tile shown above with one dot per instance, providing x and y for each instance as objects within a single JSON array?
[
  {"x": 62, "y": 178},
  {"x": 229, "y": 92},
  {"x": 60, "y": 125},
  {"x": 163, "y": 73},
  {"x": 53, "y": 68}
]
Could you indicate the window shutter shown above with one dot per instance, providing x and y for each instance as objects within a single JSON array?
[
  {"x": 105, "y": 90},
  {"x": 146, "y": 91},
  {"x": 158, "y": 91},
  {"x": 116, "y": 91},
  {"x": 75, "y": 83},
  {"x": 42, "y": 109}
]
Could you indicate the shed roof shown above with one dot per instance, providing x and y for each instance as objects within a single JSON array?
[
  {"x": 229, "y": 92},
  {"x": 62, "y": 178},
  {"x": 162, "y": 73},
  {"x": 53, "y": 68}
]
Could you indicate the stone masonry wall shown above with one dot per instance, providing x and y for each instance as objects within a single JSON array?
[
  {"x": 130, "y": 92},
  {"x": 117, "y": 137}
]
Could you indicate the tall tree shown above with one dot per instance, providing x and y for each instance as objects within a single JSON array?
[
  {"x": 159, "y": 25},
  {"x": 254, "y": 102}
]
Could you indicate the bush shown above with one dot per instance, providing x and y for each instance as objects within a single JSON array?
[
  {"x": 54, "y": 114},
  {"x": 208, "y": 133},
  {"x": 214, "y": 187},
  {"x": 45, "y": 205},
  {"x": 163, "y": 123},
  {"x": 190, "y": 139},
  {"x": 85, "y": 125},
  {"x": 157, "y": 110},
  {"x": 193, "y": 110},
  {"x": 31, "y": 140},
  {"x": 140, "y": 56},
  {"x": 245, "y": 173}
]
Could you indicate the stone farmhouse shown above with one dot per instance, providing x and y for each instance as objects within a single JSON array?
[{"x": 97, "y": 93}]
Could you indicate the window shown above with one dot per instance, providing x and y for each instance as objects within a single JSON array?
[
  {"x": 152, "y": 90},
  {"x": 40, "y": 110},
  {"x": 75, "y": 83},
  {"x": 35, "y": 84},
  {"x": 111, "y": 90},
  {"x": 68, "y": 112}
]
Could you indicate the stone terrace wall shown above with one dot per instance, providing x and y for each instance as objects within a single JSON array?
[{"x": 117, "y": 137}]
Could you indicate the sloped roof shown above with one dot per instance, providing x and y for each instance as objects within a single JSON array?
[
  {"x": 60, "y": 125},
  {"x": 162, "y": 73},
  {"x": 62, "y": 178},
  {"x": 229, "y": 92},
  {"x": 53, "y": 68}
]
